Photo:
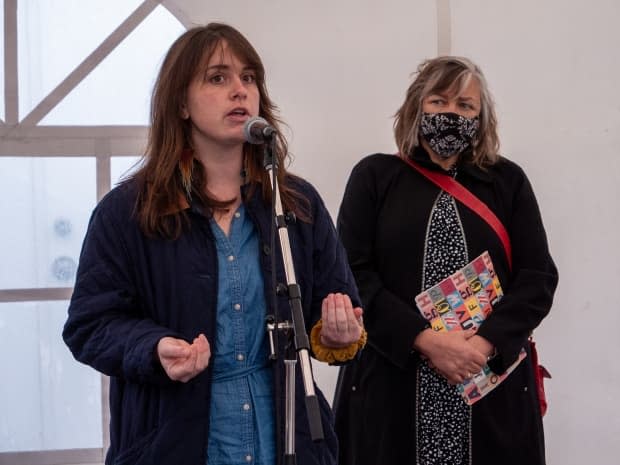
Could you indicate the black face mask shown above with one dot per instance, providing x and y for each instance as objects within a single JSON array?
[{"x": 448, "y": 134}]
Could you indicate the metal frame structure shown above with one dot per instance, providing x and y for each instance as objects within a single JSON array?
[{"x": 25, "y": 138}]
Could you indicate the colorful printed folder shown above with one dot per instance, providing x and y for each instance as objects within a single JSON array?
[{"x": 462, "y": 301}]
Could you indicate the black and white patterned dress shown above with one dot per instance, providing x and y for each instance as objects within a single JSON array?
[{"x": 443, "y": 419}]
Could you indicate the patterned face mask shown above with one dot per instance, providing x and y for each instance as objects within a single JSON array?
[{"x": 448, "y": 134}]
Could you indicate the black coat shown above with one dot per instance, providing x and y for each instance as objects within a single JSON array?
[
  {"x": 132, "y": 290},
  {"x": 383, "y": 222}
]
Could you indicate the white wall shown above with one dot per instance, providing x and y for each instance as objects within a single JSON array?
[{"x": 339, "y": 70}]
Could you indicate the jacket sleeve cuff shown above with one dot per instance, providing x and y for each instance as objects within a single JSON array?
[{"x": 329, "y": 355}]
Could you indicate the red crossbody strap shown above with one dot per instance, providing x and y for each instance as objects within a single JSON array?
[{"x": 459, "y": 192}]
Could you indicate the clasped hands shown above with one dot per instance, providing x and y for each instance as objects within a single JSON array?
[
  {"x": 182, "y": 361},
  {"x": 456, "y": 355}
]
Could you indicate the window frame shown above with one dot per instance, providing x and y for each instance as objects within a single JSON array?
[{"x": 26, "y": 139}]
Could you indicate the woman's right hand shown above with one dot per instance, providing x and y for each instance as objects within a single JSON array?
[
  {"x": 450, "y": 354},
  {"x": 181, "y": 360}
]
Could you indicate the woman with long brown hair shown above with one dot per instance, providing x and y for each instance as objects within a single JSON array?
[{"x": 174, "y": 282}]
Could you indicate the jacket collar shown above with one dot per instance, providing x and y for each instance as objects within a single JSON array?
[{"x": 420, "y": 155}]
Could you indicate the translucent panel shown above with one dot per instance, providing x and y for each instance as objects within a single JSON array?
[
  {"x": 121, "y": 167},
  {"x": 55, "y": 36},
  {"x": 47, "y": 399},
  {"x": 118, "y": 91},
  {"x": 2, "y": 60},
  {"x": 47, "y": 204}
]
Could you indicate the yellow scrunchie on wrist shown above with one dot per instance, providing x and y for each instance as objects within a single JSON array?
[{"x": 329, "y": 355}]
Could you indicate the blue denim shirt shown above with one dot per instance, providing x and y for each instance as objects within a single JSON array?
[
  {"x": 241, "y": 417},
  {"x": 132, "y": 290}
]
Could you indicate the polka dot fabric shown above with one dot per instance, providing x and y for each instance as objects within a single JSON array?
[{"x": 444, "y": 420}]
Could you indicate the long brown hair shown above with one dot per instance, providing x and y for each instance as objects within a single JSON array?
[
  {"x": 169, "y": 173},
  {"x": 447, "y": 74}
]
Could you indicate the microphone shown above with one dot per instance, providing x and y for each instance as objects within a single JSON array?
[{"x": 257, "y": 130}]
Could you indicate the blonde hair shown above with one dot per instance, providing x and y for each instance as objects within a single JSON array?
[{"x": 449, "y": 74}]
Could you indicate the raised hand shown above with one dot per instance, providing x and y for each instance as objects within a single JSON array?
[
  {"x": 342, "y": 324},
  {"x": 181, "y": 360}
]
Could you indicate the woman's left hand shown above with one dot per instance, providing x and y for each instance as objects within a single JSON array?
[
  {"x": 342, "y": 324},
  {"x": 481, "y": 345}
]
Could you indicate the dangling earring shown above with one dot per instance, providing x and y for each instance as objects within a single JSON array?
[{"x": 186, "y": 166}]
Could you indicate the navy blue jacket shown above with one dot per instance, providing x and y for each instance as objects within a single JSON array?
[{"x": 132, "y": 290}]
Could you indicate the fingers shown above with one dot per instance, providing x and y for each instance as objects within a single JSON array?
[
  {"x": 467, "y": 355},
  {"x": 454, "y": 357},
  {"x": 342, "y": 324},
  {"x": 186, "y": 369},
  {"x": 340, "y": 310},
  {"x": 354, "y": 315},
  {"x": 457, "y": 376},
  {"x": 451, "y": 378},
  {"x": 334, "y": 314},
  {"x": 169, "y": 347},
  {"x": 482, "y": 345},
  {"x": 199, "y": 359},
  {"x": 478, "y": 360},
  {"x": 469, "y": 333},
  {"x": 329, "y": 331},
  {"x": 183, "y": 361},
  {"x": 203, "y": 350}
]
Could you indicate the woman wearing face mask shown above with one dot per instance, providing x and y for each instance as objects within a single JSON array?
[{"x": 398, "y": 402}]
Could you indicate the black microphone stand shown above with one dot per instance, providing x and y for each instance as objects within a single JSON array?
[{"x": 301, "y": 344}]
